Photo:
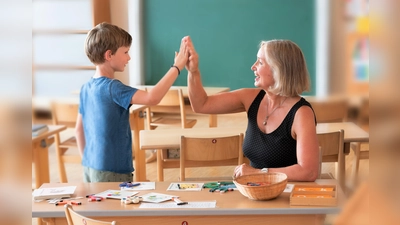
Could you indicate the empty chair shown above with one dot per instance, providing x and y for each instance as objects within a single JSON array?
[
  {"x": 361, "y": 150},
  {"x": 330, "y": 110},
  {"x": 65, "y": 113},
  {"x": 210, "y": 151},
  {"x": 173, "y": 99},
  {"x": 74, "y": 218},
  {"x": 331, "y": 150}
]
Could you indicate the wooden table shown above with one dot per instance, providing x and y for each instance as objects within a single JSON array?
[
  {"x": 231, "y": 208},
  {"x": 352, "y": 132},
  {"x": 213, "y": 120},
  {"x": 136, "y": 120},
  {"x": 40, "y": 154},
  {"x": 170, "y": 139}
]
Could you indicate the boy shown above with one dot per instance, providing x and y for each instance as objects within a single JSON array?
[{"x": 102, "y": 129}]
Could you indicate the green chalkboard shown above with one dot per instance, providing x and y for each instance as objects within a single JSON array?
[{"x": 226, "y": 34}]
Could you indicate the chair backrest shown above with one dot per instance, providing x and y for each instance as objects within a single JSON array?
[
  {"x": 173, "y": 98},
  {"x": 64, "y": 113},
  {"x": 74, "y": 218},
  {"x": 331, "y": 150},
  {"x": 330, "y": 110},
  {"x": 210, "y": 151},
  {"x": 331, "y": 144}
]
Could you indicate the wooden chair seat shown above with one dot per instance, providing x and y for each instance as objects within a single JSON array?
[{"x": 163, "y": 121}]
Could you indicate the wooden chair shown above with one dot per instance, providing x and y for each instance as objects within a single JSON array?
[
  {"x": 361, "y": 150},
  {"x": 331, "y": 150},
  {"x": 74, "y": 218},
  {"x": 173, "y": 99},
  {"x": 65, "y": 113},
  {"x": 210, "y": 151},
  {"x": 330, "y": 110}
]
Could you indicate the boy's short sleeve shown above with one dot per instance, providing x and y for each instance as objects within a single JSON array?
[{"x": 121, "y": 94}]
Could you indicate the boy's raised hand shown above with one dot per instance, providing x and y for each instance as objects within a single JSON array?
[{"x": 182, "y": 56}]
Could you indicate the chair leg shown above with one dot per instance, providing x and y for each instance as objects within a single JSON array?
[
  {"x": 356, "y": 162},
  {"x": 160, "y": 169},
  {"x": 61, "y": 167}
]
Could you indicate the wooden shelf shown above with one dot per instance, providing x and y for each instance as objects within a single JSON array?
[
  {"x": 55, "y": 32},
  {"x": 63, "y": 67}
]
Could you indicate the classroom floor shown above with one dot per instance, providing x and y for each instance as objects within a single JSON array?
[{"x": 74, "y": 171}]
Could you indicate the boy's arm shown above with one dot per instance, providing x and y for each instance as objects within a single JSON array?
[
  {"x": 80, "y": 135},
  {"x": 155, "y": 94}
]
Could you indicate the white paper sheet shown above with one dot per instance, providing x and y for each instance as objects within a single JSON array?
[
  {"x": 289, "y": 188},
  {"x": 211, "y": 204}
]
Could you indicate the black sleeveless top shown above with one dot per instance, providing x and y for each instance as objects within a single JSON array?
[{"x": 273, "y": 150}]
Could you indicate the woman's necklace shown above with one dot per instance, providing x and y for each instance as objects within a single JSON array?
[{"x": 266, "y": 117}]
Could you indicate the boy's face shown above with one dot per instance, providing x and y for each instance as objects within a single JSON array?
[{"x": 120, "y": 59}]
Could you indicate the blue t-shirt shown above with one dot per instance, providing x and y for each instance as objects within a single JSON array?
[{"x": 104, "y": 106}]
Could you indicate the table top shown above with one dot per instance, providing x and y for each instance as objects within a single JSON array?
[
  {"x": 352, "y": 132},
  {"x": 209, "y": 90},
  {"x": 230, "y": 203},
  {"x": 160, "y": 139},
  {"x": 53, "y": 129}
]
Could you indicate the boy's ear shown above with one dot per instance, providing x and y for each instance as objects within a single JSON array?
[{"x": 107, "y": 55}]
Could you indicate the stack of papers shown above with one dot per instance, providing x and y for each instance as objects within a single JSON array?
[
  {"x": 56, "y": 192},
  {"x": 38, "y": 129}
]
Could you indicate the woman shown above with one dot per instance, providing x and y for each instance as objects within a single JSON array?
[{"x": 281, "y": 133}]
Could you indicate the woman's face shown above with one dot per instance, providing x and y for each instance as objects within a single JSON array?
[{"x": 262, "y": 71}]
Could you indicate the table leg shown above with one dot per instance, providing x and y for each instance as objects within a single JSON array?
[
  {"x": 137, "y": 124},
  {"x": 40, "y": 156}
]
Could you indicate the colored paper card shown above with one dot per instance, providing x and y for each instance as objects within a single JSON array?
[{"x": 185, "y": 187}]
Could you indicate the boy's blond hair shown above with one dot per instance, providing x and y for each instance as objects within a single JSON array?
[
  {"x": 105, "y": 37},
  {"x": 288, "y": 67}
]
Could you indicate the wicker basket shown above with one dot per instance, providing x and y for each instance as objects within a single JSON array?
[{"x": 277, "y": 183}]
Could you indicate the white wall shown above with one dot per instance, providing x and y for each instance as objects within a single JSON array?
[{"x": 127, "y": 15}]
